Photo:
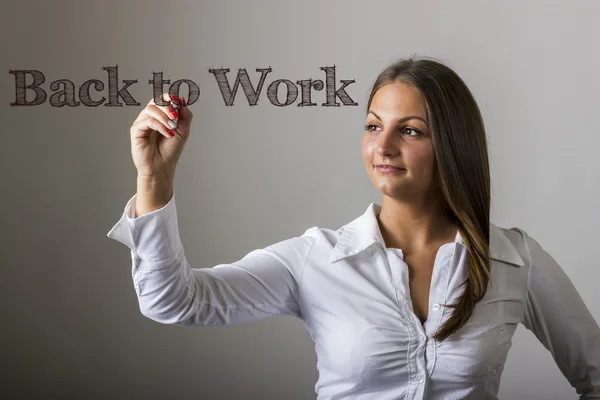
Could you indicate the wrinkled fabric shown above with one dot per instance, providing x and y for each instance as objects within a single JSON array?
[{"x": 352, "y": 294}]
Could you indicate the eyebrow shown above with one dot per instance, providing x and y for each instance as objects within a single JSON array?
[{"x": 403, "y": 119}]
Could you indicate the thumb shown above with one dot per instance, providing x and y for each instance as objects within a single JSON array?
[
  {"x": 185, "y": 115},
  {"x": 184, "y": 118}
]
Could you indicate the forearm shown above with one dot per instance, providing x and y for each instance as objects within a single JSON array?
[{"x": 153, "y": 193}]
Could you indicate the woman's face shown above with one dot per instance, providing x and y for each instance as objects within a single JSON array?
[{"x": 397, "y": 133}]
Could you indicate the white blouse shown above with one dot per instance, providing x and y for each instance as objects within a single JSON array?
[{"x": 352, "y": 294}]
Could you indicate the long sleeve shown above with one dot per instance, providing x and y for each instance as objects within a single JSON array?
[
  {"x": 559, "y": 318},
  {"x": 263, "y": 283}
]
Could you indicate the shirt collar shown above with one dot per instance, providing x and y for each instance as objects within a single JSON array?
[{"x": 364, "y": 232}]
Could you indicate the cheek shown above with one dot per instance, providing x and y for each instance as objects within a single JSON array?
[
  {"x": 365, "y": 147},
  {"x": 424, "y": 158}
]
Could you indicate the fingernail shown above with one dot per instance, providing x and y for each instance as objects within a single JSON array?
[
  {"x": 172, "y": 124},
  {"x": 173, "y": 114},
  {"x": 170, "y": 133},
  {"x": 183, "y": 102},
  {"x": 175, "y": 98}
]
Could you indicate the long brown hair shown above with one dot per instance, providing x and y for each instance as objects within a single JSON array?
[{"x": 462, "y": 167}]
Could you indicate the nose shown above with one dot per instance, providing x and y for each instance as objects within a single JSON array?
[{"x": 387, "y": 146}]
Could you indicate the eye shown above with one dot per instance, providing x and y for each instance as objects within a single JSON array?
[
  {"x": 369, "y": 126},
  {"x": 413, "y": 130}
]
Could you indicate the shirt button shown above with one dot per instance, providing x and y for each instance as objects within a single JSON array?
[
  {"x": 420, "y": 379},
  {"x": 436, "y": 307},
  {"x": 423, "y": 338}
]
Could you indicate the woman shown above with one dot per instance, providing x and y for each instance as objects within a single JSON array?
[{"x": 418, "y": 298}]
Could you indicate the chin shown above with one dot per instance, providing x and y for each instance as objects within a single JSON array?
[{"x": 388, "y": 190}]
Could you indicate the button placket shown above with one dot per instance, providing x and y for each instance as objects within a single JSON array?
[
  {"x": 417, "y": 346},
  {"x": 394, "y": 262},
  {"x": 397, "y": 267}
]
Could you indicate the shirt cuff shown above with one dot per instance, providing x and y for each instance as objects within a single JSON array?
[{"x": 152, "y": 237}]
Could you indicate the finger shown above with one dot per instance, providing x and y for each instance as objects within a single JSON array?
[
  {"x": 173, "y": 100},
  {"x": 185, "y": 114},
  {"x": 166, "y": 98},
  {"x": 143, "y": 127},
  {"x": 158, "y": 113},
  {"x": 169, "y": 107},
  {"x": 143, "y": 115},
  {"x": 172, "y": 109}
]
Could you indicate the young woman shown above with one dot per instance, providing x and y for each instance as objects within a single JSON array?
[{"x": 417, "y": 298}]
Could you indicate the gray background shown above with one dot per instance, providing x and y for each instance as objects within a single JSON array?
[{"x": 252, "y": 176}]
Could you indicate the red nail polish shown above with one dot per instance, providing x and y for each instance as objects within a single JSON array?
[
  {"x": 173, "y": 114},
  {"x": 183, "y": 102},
  {"x": 170, "y": 133},
  {"x": 175, "y": 98}
]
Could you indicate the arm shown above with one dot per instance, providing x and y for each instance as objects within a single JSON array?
[
  {"x": 263, "y": 283},
  {"x": 560, "y": 320}
]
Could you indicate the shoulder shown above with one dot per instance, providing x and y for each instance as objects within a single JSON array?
[
  {"x": 324, "y": 234},
  {"x": 528, "y": 246},
  {"x": 534, "y": 254},
  {"x": 299, "y": 247},
  {"x": 513, "y": 240},
  {"x": 514, "y": 233}
]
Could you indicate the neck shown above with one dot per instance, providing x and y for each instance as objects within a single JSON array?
[{"x": 415, "y": 226}]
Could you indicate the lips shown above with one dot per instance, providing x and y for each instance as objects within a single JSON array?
[{"x": 387, "y": 166}]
